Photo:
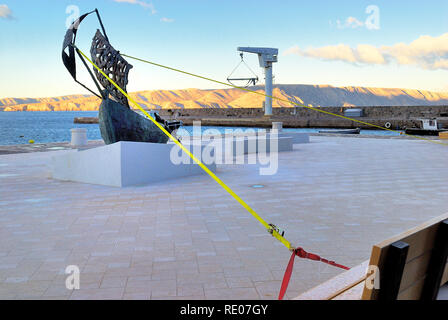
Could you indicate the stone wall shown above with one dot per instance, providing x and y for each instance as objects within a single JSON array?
[
  {"x": 399, "y": 117},
  {"x": 402, "y": 112}
]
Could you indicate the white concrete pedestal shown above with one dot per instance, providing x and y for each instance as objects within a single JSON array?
[
  {"x": 122, "y": 164},
  {"x": 297, "y": 137},
  {"x": 79, "y": 137},
  {"x": 277, "y": 126}
]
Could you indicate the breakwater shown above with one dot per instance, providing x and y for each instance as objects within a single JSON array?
[{"x": 300, "y": 117}]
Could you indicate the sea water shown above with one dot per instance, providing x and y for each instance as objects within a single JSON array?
[{"x": 44, "y": 127}]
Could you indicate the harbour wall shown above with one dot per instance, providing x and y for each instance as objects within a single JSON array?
[
  {"x": 300, "y": 117},
  {"x": 324, "y": 117}
]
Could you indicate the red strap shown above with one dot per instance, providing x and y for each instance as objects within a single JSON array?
[
  {"x": 305, "y": 255},
  {"x": 287, "y": 276}
]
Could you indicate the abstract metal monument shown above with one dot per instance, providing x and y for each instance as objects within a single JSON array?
[{"x": 116, "y": 119}]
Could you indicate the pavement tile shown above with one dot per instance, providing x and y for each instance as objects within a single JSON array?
[{"x": 336, "y": 196}]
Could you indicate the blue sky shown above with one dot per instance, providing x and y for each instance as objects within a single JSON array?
[{"x": 318, "y": 42}]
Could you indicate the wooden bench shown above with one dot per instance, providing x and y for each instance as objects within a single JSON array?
[{"x": 410, "y": 266}]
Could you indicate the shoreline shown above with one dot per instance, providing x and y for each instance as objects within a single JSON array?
[
  {"x": 65, "y": 145},
  {"x": 45, "y": 147}
]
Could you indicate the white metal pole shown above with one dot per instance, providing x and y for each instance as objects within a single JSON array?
[{"x": 268, "y": 87}]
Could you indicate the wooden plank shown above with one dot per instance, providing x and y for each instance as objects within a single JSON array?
[
  {"x": 410, "y": 293},
  {"x": 375, "y": 260},
  {"x": 421, "y": 242},
  {"x": 437, "y": 263},
  {"x": 445, "y": 276},
  {"x": 420, "y": 239},
  {"x": 408, "y": 235},
  {"x": 349, "y": 285},
  {"x": 415, "y": 270},
  {"x": 392, "y": 271},
  {"x": 337, "y": 285},
  {"x": 354, "y": 293},
  {"x": 413, "y": 292}
]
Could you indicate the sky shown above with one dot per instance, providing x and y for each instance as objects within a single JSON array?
[{"x": 391, "y": 44}]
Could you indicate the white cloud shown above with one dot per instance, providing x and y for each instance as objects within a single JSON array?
[
  {"x": 295, "y": 50},
  {"x": 5, "y": 12},
  {"x": 441, "y": 64},
  {"x": 167, "y": 20},
  {"x": 367, "y": 53},
  {"x": 340, "y": 52},
  {"x": 350, "y": 22},
  {"x": 143, "y": 4},
  {"x": 425, "y": 52}
]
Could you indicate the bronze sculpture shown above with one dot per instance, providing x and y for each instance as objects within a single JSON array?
[{"x": 117, "y": 121}]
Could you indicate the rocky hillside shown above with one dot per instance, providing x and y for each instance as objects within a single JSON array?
[{"x": 317, "y": 95}]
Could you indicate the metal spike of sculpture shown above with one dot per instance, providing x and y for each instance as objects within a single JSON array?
[
  {"x": 116, "y": 119},
  {"x": 111, "y": 63}
]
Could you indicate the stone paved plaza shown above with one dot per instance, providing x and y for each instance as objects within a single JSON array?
[{"x": 188, "y": 239}]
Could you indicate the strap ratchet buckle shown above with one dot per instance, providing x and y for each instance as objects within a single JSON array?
[{"x": 273, "y": 228}]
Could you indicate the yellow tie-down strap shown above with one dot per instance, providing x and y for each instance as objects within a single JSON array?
[{"x": 270, "y": 228}]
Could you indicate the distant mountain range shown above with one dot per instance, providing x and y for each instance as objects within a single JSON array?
[{"x": 311, "y": 95}]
